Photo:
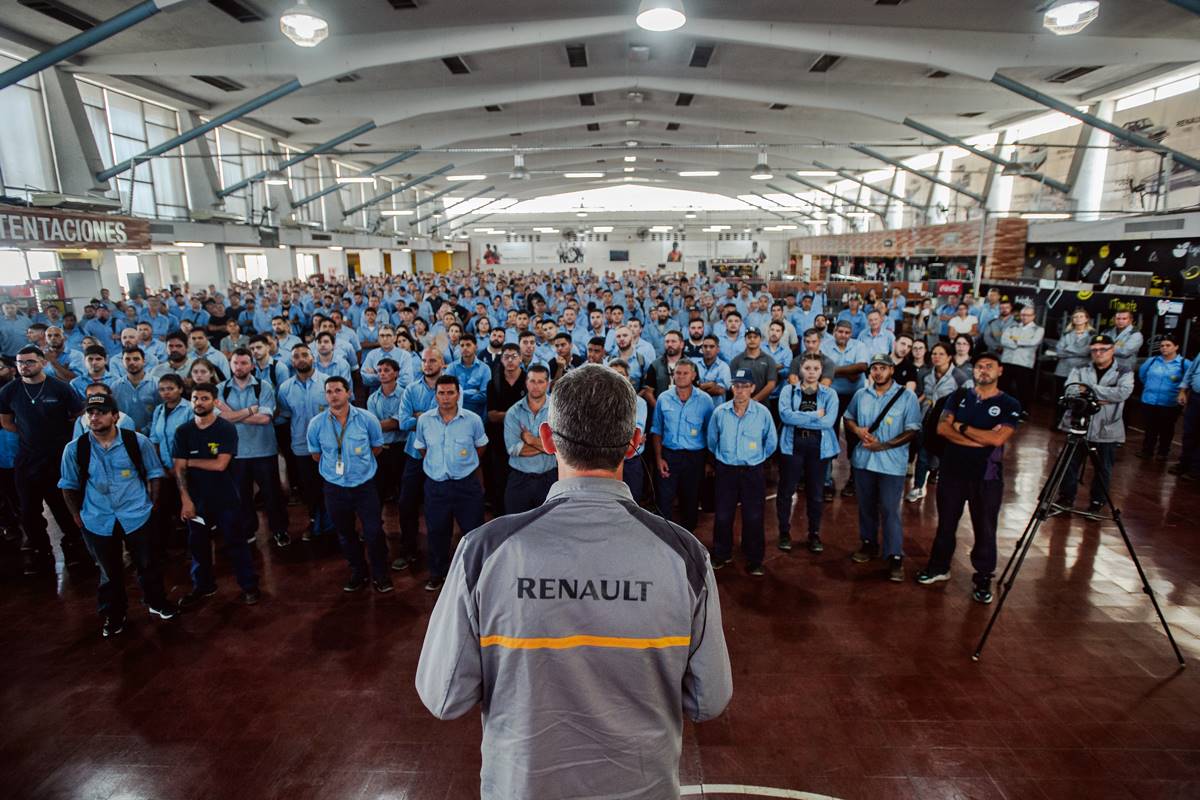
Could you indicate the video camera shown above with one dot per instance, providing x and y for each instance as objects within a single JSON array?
[{"x": 1082, "y": 404}]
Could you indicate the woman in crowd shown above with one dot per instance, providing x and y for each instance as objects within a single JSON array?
[
  {"x": 1072, "y": 348},
  {"x": 1161, "y": 377},
  {"x": 203, "y": 371},
  {"x": 943, "y": 380},
  {"x": 964, "y": 349},
  {"x": 920, "y": 362},
  {"x": 925, "y": 323}
]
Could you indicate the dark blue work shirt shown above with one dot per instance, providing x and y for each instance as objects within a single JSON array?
[{"x": 979, "y": 463}]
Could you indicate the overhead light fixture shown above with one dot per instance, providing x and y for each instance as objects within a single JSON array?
[
  {"x": 761, "y": 171},
  {"x": 660, "y": 15},
  {"x": 814, "y": 173},
  {"x": 630, "y": 159},
  {"x": 347, "y": 179},
  {"x": 699, "y": 173},
  {"x": 602, "y": 229},
  {"x": 1070, "y": 16},
  {"x": 397, "y": 212},
  {"x": 337, "y": 248},
  {"x": 746, "y": 230},
  {"x": 189, "y": 244},
  {"x": 405, "y": 249},
  {"x": 465, "y": 177},
  {"x": 303, "y": 26},
  {"x": 437, "y": 215},
  {"x": 631, "y": 169},
  {"x": 545, "y": 230},
  {"x": 690, "y": 215},
  {"x": 632, "y": 123},
  {"x": 1037, "y": 215},
  {"x": 276, "y": 179},
  {"x": 662, "y": 228},
  {"x": 583, "y": 174},
  {"x": 718, "y": 228},
  {"x": 631, "y": 143},
  {"x": 519, "y": 173},
  {"x": 581, "y": 214}
]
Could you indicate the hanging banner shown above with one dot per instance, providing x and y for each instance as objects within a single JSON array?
[{"x": 33, "y": 228}]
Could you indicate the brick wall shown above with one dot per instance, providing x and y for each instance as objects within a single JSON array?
[{"x": 1003, "y": 244}]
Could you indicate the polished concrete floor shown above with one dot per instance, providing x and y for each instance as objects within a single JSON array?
[{"x": 845, "y": 684}]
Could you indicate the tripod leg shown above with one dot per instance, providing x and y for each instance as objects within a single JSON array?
[{"x": 1136, "y": 562}]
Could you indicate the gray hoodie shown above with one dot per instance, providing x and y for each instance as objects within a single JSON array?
[
  {"x": 1113, "y": 390},
  {"x": 585, "y": 628}
]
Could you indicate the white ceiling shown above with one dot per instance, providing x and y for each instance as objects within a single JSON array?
[{"x": 516, "y": 53}]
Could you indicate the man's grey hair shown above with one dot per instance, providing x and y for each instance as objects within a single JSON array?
[{"x": 593, "y": 414}]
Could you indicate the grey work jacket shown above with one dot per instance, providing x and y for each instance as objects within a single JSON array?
[
  {"x": 1072, "y": 350},
  {"x": 1113, "y": 390},
  {"x": 1021, "y": 344}
]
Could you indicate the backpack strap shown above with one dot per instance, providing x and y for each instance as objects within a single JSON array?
[
  {"x": 83, "y": 458},
  {"x": 134, "y": 449},
  {"x": 83, "y": 455}
]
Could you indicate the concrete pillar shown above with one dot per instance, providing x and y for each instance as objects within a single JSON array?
[
  {"x": 939, "y": 200},
  {"x": 75, "y": 148},
  {"x": 200, "y": 167},
  {"x": 207, "y": 265},
  {"x": 109, "y": 272},
  {"x": 371, "y": 262},
  {"x": 423, "y": 260},
  {"x": 333, "y": 262},
  {"x": 281, "y": 265},
  {"x": 1088, "y": 189}
]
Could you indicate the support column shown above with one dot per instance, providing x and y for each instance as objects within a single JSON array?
[
  {"x": 281, "y": 264},
  {"x": 207, "y": 265},
  {"x": 1088, "y": 190},
  {"x": 75, "y": 148},
  {"x": 371, "y": 262},
  {"x": 200, "y": 167}
]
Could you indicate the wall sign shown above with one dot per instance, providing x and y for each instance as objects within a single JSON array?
[{"x": 30, "y": 228}]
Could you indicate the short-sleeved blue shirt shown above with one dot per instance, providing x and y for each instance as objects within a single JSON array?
[
  {"x": 114, "y": 492},
  {"x": 449, "y": 448},
  {"x": 360, "y": 434}
]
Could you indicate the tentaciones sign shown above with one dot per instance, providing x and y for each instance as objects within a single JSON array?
[{"x": 42, "y": 228}]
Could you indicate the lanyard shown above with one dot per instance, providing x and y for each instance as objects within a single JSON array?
[{"x": 340, "y": 436}]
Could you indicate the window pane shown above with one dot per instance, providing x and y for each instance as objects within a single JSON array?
[
  {"x": 126, "y": 115},
  {"x": 27, "y": 159}
]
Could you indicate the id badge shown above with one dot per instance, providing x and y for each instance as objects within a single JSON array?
[{"x": 339, "y": 468}]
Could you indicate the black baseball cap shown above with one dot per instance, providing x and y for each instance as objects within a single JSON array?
[
  {"x": 986, "y": 356},
  {"x": 1101, "y": 338},
  {"x": 100, "y": 402}
]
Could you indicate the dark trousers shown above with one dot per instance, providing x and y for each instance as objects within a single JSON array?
[
  {"x": 1101, "y": 478},
  {"x": 983, "y": 498},
  {"x": 412, "y": 493},
  {"x": 686, "y": 469},
  {"x": 1018, "y": 381},
  {"x": 10, "y": 506},
  {"x": 747, "y": 486},
  {"x": 804, "y": 464},
  {"x": 447, "y": 502},
  {"x": 312, "y": 489},
  {"x": 222, "y": 517},
  {"x": 879, "y": 503},
  {"x": 1189, "y": 457},
  {"x": 343, "y": 503},
  {"x": 166, "y": 515},
  {"x": 1160, "y": 428},
  {"x": 283, "y": 439},
  {"x": 143, "y": 551},
  {"x": 851, "y": 439},
  {"x": 37, "y": 484},
  {"x": 634, "y": 475},
  {"x": 527, "y": 490},
  {"x": 495, "y": 470},
  {"x": 390, "y": 469},
  {"x": 263, "y": 471}
]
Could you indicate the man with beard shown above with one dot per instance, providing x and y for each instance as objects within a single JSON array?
[
  {"x": 136, "y": 394},
  {"x": 299, "y": 399},
  {"x": 531, "y": 470},
  {"x": 419, "y": 396}
]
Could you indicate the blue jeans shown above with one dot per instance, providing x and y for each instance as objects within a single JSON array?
[
  {"x": 804, "y": 464},
  {"x": 223, "y": 518},
  {"x": 925, "y": 462},
  {"x": 342, "y": 504},
  {"x": 445, "y": 503},
  {"x": 1101, "y": 478},
  {"x": 879, "y": 502}
]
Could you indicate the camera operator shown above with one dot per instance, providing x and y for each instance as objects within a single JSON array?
[{"x": 1110, "y": 384}]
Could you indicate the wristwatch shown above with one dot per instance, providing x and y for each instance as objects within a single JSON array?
[{"x": 962, "y": 428}]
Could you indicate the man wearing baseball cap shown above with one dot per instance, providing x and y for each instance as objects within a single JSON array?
[
  {"x": 741, "y": 435},
  {"x": 976, "y": 424},
  {"x": 763, "y": 369}
]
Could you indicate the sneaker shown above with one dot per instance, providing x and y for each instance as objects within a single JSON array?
[
  {"x": 281, "y": 538},
  {"x": 848, "y": 489},
  {"x": 434, "y": 584},
  {"x": 721, "y": 563},
  {"x": 915, "y": 494},
  {"x": 827, "y": 494},
  {"x": 400, "y": 564},
  {"x": 112, "y": 626},
  {"x": 194, "y": 597},
  {"x": 814, "y": 543},
  {"x": 382, "y": 586},
  {"x": 865, "y": 553},
  {"x": 785, "y": 543},
  {"x": 982, "y": 593},
  {"x": 163, "y": 612},
  {"x": 756, "y": 570},
  {"x": 251, "y": 597},
  {"x": 896, "y": 570},
  {"x": 927, "y": 577},
  {"x": 1095, "y": 507},
  {"x": 356, "y": 583}
]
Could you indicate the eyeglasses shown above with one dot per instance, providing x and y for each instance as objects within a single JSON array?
[{"x": 28, "y": 361}]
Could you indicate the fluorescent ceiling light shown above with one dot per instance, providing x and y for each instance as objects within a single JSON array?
[
  {"x": 545, "y": 230},
  {"x": 602, "y": 229},
  {"x": 581, "y": 214},
  {"x": 189, "y": 244},
  {"x": 719, "y": 227},
  {"x": 583, "y": 174},
  {"x": 519, "y": 173},
  {"x": 761, "y": 171},
  {"x": 660, "y": 15},
  {"x": 465, "y": 177},
  {"x": 345, "y": 179},
  {"x": 787, "y": 227},
  {"x": 699, "y": 173},
  {"x": 1070, "y": 16},
  {"x": 494, "y": 232},
  {"x": 1046, "y": 215},
  {"x": 630, "y": 159},
  {"x": 337, "y": 248},
  {"x": 483, "y": 230},
  {"x": 405, "y": 249},
  {"x": 397, "y": 212},
  {"x": 303, "y": 26},
  {"x": 690, "y": 215},
  {"x": 631, "y": 169},
  {"x": 814, "y": 173},
  {"x": 662, "y": 228},
  {"x": 276, "y": 179}
]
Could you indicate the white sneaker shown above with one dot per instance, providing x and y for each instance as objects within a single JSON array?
[{"x": 915, "y": 494}]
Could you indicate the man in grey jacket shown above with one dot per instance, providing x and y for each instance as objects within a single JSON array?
[
  {"x": 1126, "y": 339},
  {"x": 585, "y": 628},
  {"x": 1112, "y": 384},
  {"x": 1021, "y": 342}
]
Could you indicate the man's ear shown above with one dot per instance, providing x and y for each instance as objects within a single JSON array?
[
  {"x": 546, "y": 439},
  {"x": 634, "y": 443}
]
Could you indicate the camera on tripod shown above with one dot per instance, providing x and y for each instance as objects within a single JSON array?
[{"x": 1082, "y": 404}]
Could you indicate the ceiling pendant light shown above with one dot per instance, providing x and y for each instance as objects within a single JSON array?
[
  {"x": 1070, "y": 16},
  {"x": 519, "y": 173},
  {"x": 303, "y": 26},
  {"x": 660, "y": 15},
  {"x": 761, "y": 171}
]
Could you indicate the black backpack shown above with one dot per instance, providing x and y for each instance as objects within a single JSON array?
[
  {"x": 229, "y": 388},
  {"x": 83, "y": 455},
  {"x": 934, "y": 444}
]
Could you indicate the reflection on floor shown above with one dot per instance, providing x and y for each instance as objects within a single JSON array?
[{"x": 845, "y": 684}]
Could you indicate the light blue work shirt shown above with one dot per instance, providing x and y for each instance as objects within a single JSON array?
[
  {"x": 1191, "y": 379},
  {"x": 336, "y": 366},
  {"x": 386, "y": 406},
  {"x": 418, "y": 396},
  {"x": 905, "y": 415},
  {"x": 448, "y": 447},
  {"x": 877, "y": 343},
  {"x": 9, "y": 442},
  {"x": 743, "y": 441},
  {"x": 215, "y": 357},
  {"x": 853, "y": 354},
  {"x": 163, "y": 426},
  {"x": 71, "y": 359},
  {"x": 160, "y": 324},
  {"x": 790, "y": 400},
  {"x": 81, "y": 383},
  {"x": 717, "y": 372},
  {"x": 782, "y": 354},
  {"x": 473, "y": 381},
  {"x": 370, "y": 366},
  {"x": 521, "y": 418},
  {"x": 360, "y": 434},
  {"x": 286, "y": 344},
  {"x": 254, "y": 441},
  {"x": 729, "y": 348},
  {"x": 642, "y": 411},
  {"x": 682, "y": 425},
  {"x": 297, "y": 402},
  {"x": 114, "y": 492},
  {"x": 138, "y": 401},
  {"x": 858, "y": 322}
]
